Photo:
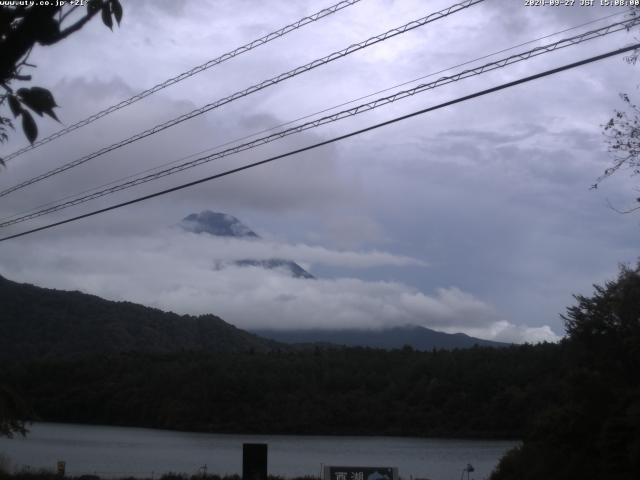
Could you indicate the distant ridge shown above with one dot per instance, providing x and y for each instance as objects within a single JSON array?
[
  {"x": 38, "y": 323},
  {"x": 419, "y": 338},
  {"x": 292, "y": 268},
  {"x": 225, "y": 225}
]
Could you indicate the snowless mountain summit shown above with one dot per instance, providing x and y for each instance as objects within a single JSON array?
[
  {"x": 225, "y": 225},
  {"x": 215, "y": 223}
]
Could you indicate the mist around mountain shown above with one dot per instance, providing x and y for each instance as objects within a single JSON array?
[
  {"x": 224, "y": 225},
  {"x": 79, "y": 358},
  {"x": 416, "y": 337},
  {"x": 44, "y": 323},
  {"x": 41, "y": 323},
  {"x": 575, "y": 403},
  {"x": 292, "y": 268}
]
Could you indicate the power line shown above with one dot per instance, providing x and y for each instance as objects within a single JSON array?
[
  {"x": 189, "y": 73},
  {"x": 255, "y": 88},
  {"x": 609, "y": 29},
  {"x": 332, "y": 140},
  {"x": 289, "y": 122}
]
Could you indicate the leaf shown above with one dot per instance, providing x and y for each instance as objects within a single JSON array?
[
  {"x": 5, "y": 121},
  {"x": 116, "y": 8},
  {"x": 39, "y": 99},
  {"x": 47, "y": 30},
  {"x": 106, "y": 16},
  {"x": 44, "y": 96},
  {"x": 52, "y": 114},
  {"x": 14, "y": 105},
  {"x": 29, "y": 126},
  {"x": 93, "y": 6}
]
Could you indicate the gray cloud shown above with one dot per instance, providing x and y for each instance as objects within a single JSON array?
[
  {"x": 309, "y": 180},
  {"x": 492, "y": 194},
  {"x": 174, "y": 271}
]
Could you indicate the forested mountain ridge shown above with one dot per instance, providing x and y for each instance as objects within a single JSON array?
[
  {"x": 39, "y": 322},
  {"x": 575, "y": 404},
  {"x": 419, "y": 338},
  {"x": 44, "y": 323}
]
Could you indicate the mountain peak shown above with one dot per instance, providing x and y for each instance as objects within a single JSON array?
[
  {"x": 215, "y": 223},
  {"x": 225, "y": 225}
]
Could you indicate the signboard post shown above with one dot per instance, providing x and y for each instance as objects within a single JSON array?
[
  {"x": 360, "y": 473},
  {"x": 254, "y": 461}
]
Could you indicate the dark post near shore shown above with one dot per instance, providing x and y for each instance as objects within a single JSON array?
[{"x": 254, "y": 461}]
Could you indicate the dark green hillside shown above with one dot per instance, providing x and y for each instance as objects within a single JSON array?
[
  {"x": 576, "y": 404},
  {"x": 476, "y": 392},
  {"x": 41, "y": 323},
  {"x": 79, "y": 358},
  {"x": 417, "y": 337}
]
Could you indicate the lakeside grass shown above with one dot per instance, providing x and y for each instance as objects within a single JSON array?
[{"x": 50, "y": 475}]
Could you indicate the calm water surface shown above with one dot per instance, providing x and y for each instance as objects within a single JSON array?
[{"x": 114, "y": 451}]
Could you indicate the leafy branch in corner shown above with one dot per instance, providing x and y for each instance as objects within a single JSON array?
[
  {"x": 622, "y": 134},
  {"x": 21, "y": 28}
]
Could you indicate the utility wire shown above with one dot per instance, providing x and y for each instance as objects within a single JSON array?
[
  {"x": 615, "y": 27},
  {"x": 189, "y": 73},
  {"x": 332, "y": 140},
  {"x": 289, "y": 122},
  {"x": 255, "y": 88}
]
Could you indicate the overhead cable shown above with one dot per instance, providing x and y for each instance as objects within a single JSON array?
[
  {"x": 189, "y": 73},
  {"x": 253, "y": 89},
  {"x": 310, "y": 115},
  {"x": 488, "y": 67},
  {"x": 330, "y": 141}
]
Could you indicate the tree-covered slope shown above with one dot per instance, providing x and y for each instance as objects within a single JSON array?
[
  {"x": 43, "y": 323},
  {"x": 475, "y": 392},
  {"x": 419, "y": 338}
]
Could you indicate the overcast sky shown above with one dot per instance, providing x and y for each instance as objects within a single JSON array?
[{"x": 476, "y": 218}]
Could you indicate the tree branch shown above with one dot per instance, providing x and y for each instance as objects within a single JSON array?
[
  {"x": 68, "y": 12},
  {"x": 76, "y": 26},
  {"x": 19, "y": 41},
  {"x": 622, "y": 212}
]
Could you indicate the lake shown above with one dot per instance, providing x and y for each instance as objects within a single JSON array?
[{"x": 139, "y": 452}]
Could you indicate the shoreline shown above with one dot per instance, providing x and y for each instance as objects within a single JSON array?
[{"x": 443, "y": 437}]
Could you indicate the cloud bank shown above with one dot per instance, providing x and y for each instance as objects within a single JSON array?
[{"x": 174, "y": 270}]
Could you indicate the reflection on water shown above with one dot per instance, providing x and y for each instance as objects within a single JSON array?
[{"x": 116, "y": 451}]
